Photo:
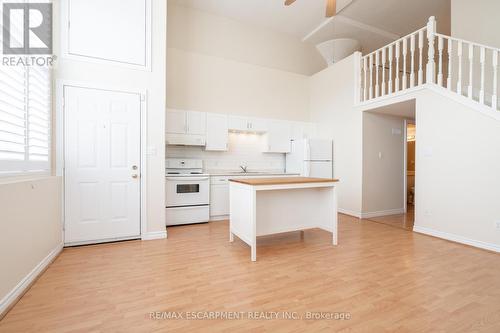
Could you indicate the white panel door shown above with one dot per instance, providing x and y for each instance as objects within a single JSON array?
[
  {"x": 114, "y": 30},
  {"x": 102, "y": 165}
]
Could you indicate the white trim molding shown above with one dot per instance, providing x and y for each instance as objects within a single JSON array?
[
  {"x": 153, "y": 235},
  {"x": 349, "y": 212},
  {"x": 23, "y": 286},
  {"x": 457, "y": 238},
  {"x": 66, "y": 54},
  {"x": 383, "y": 213}
]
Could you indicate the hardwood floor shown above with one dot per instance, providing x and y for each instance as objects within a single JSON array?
[
  {"x": 403, "y": 221},
  {"x": 387, "y": 279}
]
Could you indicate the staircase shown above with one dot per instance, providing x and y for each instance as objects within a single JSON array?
[{"x": 427, "y": 58}]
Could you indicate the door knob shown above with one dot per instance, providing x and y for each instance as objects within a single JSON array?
[
  {"x": 134, "y": 167},
  {"x": 135, "y": 176}
]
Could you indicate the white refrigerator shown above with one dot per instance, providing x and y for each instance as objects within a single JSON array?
[{"x": 311, "y": 158}]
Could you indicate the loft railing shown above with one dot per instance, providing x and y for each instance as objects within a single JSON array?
[{"x": 427, "y": 57}]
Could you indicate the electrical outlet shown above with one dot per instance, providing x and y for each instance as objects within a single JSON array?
[{"x": 497, "y": 224}]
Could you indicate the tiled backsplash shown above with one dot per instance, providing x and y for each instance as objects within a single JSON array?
[{"x": 244, "y": 149}]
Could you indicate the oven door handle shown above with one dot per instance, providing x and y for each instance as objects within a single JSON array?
[{"x": 188, "y": 179}]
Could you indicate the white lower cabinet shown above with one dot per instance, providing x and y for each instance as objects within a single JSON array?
[{"x": 219, "y": 198}]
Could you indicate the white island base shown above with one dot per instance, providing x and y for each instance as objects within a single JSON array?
[{"x": 260, "y": 207}]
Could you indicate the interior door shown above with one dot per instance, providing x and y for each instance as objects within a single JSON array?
[{"x": 102, "y": 165}]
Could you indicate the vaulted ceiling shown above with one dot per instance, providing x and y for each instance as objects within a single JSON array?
[{"x": 373, "y": 22}]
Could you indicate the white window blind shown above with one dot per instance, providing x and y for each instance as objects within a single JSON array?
[{"x": 25, "y": 112}]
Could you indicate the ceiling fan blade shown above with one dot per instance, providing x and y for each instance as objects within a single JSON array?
[
  {"x": 331, "y": 8},
  {"x": 289, "y": 2}
]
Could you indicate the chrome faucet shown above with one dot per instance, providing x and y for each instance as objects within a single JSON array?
[{"x": 244, "y": 168}]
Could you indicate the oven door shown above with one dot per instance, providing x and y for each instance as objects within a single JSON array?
[{"x": 187, "y": 191}]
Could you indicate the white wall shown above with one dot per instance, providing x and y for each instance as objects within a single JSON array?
[
  {"x": 332, "y": 106},
  {"x": 244, "y": 149},
  {"x": 212, "y": 84},
  {"x": 457, "y": 163},
  {"x": 113, "y": 76},
  {"x": 383, "y": 177},
  {"x": 476, "y": 21},
  {"x": 217, "y": 64},
  {"x": 30, "y": 230},
  {"x": 197, "y": 31}
]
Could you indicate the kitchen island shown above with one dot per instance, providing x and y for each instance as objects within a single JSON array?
[{"x": 267, "y": 206}]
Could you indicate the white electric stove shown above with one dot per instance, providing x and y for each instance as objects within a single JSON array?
[{"x": 187, "y": 191}]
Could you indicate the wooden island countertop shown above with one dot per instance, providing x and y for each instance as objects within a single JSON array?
[{"x": 282, "y": 181}]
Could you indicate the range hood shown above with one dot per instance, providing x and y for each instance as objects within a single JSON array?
[{"x": 185, "y": 140}]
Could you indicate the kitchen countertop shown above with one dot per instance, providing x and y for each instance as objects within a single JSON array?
[
  {"x": 249, "y": 174},
  {"x": 282, "y": 181}
]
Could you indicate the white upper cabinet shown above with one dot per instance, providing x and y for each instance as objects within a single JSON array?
[
  {"x": 186, "y": 122},
  {"x": 176, "y": 122},
  {"x": 238, "y": 124},
  {"x": 196, "y": 123},
  {"x": 93, "y": 30},
  {"x": 217, "y": 132},
  {"x": 278, "y": 137},
  {"x": 246, "y": 124}
]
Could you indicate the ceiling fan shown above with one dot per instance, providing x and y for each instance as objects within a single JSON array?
[{"x": 331, "y": 6}]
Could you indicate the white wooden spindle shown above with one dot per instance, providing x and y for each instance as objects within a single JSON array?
[
  {"x": 371, "y": 76},
  {"x": 482, "y": 59},
  {"x": 396, "y": 89},
  {"x": 412, "y": 52},
  {"x": 405, "y": 50},
  {"x": 389, "y": 84},
  {"x": 494, "y": 98},
  {"x": 471, "y": 70},
  {"x": 431, "y": 65},
  {"x": 383, "y": 70},
  {"x": 450, "y": 52},
  {"x": 365, "y": 69},
  {"x": 440, "y": 62},
  {"x": 460, "y": 54},
  {"x": 420, "y": 58},
  {"x": 377, "y": 64}
]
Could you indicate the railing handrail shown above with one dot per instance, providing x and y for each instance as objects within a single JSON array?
[
  {"x": 423, "y": 52},
  {"x": 468, "y": 42},
  {"x": 396, "y": 41}
]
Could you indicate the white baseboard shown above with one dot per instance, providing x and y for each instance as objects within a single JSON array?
[
  {"x": 349, "y": 212},
  {"x": 383, "y": 213},
  {"x": 457, "y": 238},
  {"x": 219, "y": 218},
  {"x": 154, "y": 235},
  {"x": 15, "y": 294}
]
